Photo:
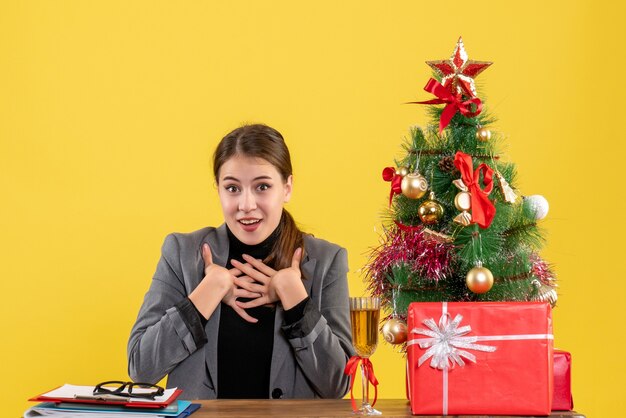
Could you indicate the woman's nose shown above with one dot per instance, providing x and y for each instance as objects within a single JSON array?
[{"x": 247, "y": 202}]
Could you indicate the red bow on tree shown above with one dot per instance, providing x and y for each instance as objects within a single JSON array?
[
  {"x": 389, "y": 174},
  {"x": 351, "y": 367},
  {"x": 454, "y": 102},
  {"x": 483, "y": 211}
]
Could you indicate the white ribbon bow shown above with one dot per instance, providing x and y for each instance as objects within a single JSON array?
[{"x": 445, "y": 342}]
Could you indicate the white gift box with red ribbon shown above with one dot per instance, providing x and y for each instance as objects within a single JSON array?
[{"x": 480, "y": 358}]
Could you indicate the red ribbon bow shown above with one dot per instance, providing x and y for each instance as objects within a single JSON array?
[
  {"x": 351, "y": 367},
  {"x": 389, "y": 174},
  {"x": 483, "y": 211},
  {"x": 454, "y": 103}
]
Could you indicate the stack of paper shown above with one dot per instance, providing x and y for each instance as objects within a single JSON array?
[{"x": 73, "y": 401}]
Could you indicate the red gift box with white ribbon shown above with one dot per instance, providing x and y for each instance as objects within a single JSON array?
[{"x": 467, "y": 358}]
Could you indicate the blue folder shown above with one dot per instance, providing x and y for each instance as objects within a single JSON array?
[{"x": 178, "y": 409}]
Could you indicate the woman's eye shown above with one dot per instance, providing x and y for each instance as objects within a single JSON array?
[
  {"x": 232, "y": 189},
  {"x": 263, "y": 187}
]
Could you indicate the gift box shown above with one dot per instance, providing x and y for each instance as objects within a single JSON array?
[
  {"x": 562, "y": 399},
  {"x": 480, "y": 358}
]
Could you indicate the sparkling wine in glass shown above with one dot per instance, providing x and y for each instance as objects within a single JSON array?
[{"x": 364, "y": 316}]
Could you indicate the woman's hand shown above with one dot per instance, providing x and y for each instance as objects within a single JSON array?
[
  {"x": 284, "y": 285},
  {"x": 218, "y": 285}
]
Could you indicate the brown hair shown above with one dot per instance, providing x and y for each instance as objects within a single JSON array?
[{"x": 262, "y": 141}]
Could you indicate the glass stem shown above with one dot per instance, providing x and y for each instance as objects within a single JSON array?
[{"x": 366, "y": 387}]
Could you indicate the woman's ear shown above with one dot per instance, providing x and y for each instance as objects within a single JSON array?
[{"x": 288, "y": 188}]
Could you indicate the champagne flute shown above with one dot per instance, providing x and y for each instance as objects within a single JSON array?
[{"x": 364, "y": 316}]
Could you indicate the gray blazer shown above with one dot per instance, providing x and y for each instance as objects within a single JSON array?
[{"x": 307, "y": 367}]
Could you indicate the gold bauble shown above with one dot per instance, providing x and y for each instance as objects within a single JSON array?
[
  {"x": 544, "y": 293},
  {"x": 414, "y": 185},
  {"x": 430, "y": 212},
  {"x": 395, "y": 331},
  {"x": 479, "y": 280},
  {"x": 463, "y": 201},
  {"x": 483, "y": 134},
  {"x": 402, "y": 171}
]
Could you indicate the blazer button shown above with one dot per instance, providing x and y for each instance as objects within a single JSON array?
[{"x": 277, "y": 393}]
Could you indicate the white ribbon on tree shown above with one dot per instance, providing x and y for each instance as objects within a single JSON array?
[{"x": 448, "y": 342}]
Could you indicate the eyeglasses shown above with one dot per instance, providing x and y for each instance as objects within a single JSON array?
[{"x": 135, "y": 389}]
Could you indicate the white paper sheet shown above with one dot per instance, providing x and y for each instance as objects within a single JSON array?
[{"x": 71, "y": 391}]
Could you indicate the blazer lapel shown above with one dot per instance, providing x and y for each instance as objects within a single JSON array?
[
  {"x": 308, "y": 268},
  {"x": 218, "y": 241},
  {"x": 281, "y": 345}
]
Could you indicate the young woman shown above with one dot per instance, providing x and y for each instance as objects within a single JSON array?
[{"x": 254, "y": 308}]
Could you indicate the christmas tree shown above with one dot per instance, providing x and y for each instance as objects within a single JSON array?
[{"x": 457, "y": 228}]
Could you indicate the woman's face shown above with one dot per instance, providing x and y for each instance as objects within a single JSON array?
[{"x": 252, "y": 193}]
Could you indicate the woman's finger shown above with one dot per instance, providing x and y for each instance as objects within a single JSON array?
[
  {"x": 250, "y": 271},
  {"x": 235, "y": 272},
  {"x": 259, "y": 265},
  {"x": 263, "y": 300},
  {"x": 243, "y": 293},
  {"x": 242, "y": 313},
  {"x": 250, "y": 286},
  {"x": 206, "y": 255},
  {"x": 297, "y": 258},
  {"x": 246, "y": 278}
]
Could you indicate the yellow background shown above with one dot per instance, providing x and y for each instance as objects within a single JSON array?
[{"x": 109, "y": 111}]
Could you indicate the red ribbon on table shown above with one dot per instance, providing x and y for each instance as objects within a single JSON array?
[
  {"x": 389, "y": 174},
  {"x": 351, "y": 368},
  {"x": 454, "y": 103},
  {"x": 483, "y": 211}
]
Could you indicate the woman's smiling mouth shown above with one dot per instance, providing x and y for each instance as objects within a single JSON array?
[{"x": 249, "y": 224}]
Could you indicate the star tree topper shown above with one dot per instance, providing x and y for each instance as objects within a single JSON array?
[{"x": 458, "y": 72}]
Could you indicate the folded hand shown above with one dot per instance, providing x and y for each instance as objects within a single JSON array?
[
  {"x": 284, "y": 285},
  {"x": 219, "y": 277}
]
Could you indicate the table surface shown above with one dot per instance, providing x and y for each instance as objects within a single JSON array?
[{"x": 315, "y": 408}]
